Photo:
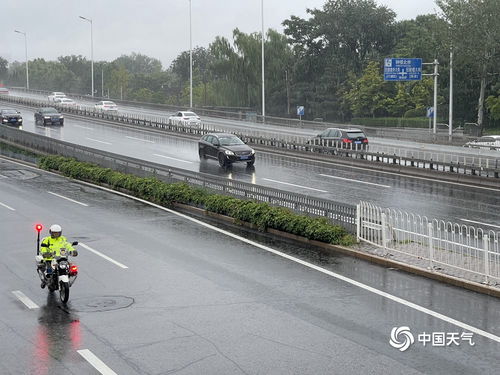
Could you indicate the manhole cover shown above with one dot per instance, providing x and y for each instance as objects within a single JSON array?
[{"x": 99, "y": 304}]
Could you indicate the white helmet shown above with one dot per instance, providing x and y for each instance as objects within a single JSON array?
[{"x": 55, "y": 228}]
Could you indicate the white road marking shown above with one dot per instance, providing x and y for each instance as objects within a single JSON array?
[
  {"x": 348, "y": 280},
  {"x": 310, "y": 265},
  {"x": 2, "y": 176},
  {"x": 139, "y": 139},
  {"x": 478, "y": 222},
  {"x": 169, "y": 157},
  {"x": 96, "y": 362},
  {"x": 27, "y": 302},
  {"x": 83, "y": 127},
  {"x": 300, "y": 186},
  {"x": 96, "y": 140},
  {"x": 435, "y": 180},
  {"x": 68, "y": 199},
  {"x": 351, "y": 180},
  {"x": 102, "y": 255},
  {"x": 7, "y": 207}
]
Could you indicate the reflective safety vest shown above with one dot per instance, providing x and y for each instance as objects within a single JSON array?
[{"x": 55, "y": 246}]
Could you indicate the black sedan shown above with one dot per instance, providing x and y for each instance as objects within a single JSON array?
[
  {"x": 10, "y": 117},
  {"x": 48, "y": 116},
  {"x": 226, "y": 148},
  {"x": 353, "y": 139}
]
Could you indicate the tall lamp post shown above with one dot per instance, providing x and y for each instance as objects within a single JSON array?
[
  {"x": 26, "y": 53},
  {"x": 91, "y": 51},
  {"x": 190, "y": 58},
  {"x": 263, "y": 73}
]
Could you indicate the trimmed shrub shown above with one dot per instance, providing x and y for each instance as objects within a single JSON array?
[{"x": 262, "y": 215}]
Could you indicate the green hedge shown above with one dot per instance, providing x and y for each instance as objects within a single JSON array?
[
  {"x": 400, "y": 122},
  {"x": 262, "y": 215}
]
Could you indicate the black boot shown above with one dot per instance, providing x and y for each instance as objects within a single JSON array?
[{"x": 43, "y": 284}]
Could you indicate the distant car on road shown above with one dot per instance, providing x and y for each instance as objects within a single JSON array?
[
  {"x": 226, "y": 148},
  {"x": 65, "y": 102},
  {"x": 48, "y": 116},
  {"x": 185, "y": 118},
  {"x": 55, "y": 95},
  {"x": 488, "y": 142},
  {"x": 4, "y": 91},
  {"x": 341, "y": 138},
  {"x": 106, "y": 106},
  {"x": 10, "y": 116}
]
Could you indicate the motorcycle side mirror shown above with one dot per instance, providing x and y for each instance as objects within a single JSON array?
[
  {"x": 74, "y": 243},
  {"x": 44, "y": 245}
]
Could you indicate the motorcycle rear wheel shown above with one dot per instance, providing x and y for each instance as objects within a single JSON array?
[{"x": 64, "y": 292}]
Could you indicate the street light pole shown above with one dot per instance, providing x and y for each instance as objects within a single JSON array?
[
  {"x": 263, "y": 73},
  {"x": 190, "y": 58},
  {"x": 26, "y": 54},
  {"x": 91, "y": 51}
]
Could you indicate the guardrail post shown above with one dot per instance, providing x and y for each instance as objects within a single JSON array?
[
  {"x": 431, "y": 245},
  {"x": 486, "y": 247},
  {"x": 358, "y": 222},
  {"x": 384, "y": 234}
]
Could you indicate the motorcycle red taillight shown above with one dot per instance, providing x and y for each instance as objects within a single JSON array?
[{"x": 73, "y": 270}]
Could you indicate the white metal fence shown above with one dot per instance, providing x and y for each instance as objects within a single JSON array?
[{"x": 438, "y": 243}]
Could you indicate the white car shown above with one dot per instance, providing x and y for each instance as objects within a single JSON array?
[
  {"x": 65, "y": 102},
  {"x": 185, "y": 118},
  {"x": 488, "y": 142},
  {"x": 56, "y": 94},
  {"x": 106, "y": 106}
]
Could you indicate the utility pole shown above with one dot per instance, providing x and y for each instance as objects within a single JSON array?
[
  {"x": 435, "y": 75},
  {"x": 263, "y": 72},
  {"x": 26, "y": 54},
  {"x": 190, "y": 57},
  {"x": 450, "y": 115},
  {"x": 287, "y": 94},
  {"x": 91, "y": 51}
]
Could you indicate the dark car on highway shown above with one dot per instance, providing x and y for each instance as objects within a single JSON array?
[
  {"x": 226, "y": 148},
  {"x": 10, "y": 116},
  {"x": 341, "y": 138},
  {"x": 48, "y": 116}
]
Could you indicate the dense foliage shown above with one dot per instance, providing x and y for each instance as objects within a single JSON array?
[
  {"x": 330, "y": 62},
  {"x": 260, "y": 214}
]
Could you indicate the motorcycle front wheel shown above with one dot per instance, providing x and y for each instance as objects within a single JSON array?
[{"x": 64, "y": 292}]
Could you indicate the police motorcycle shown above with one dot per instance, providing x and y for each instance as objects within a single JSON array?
[{"x": 63, "y": 275}]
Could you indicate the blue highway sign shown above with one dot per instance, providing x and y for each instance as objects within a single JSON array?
[{"x": 402, "y": 69}]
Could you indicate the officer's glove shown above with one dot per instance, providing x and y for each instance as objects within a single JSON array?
[{"x": 74, "y": 253}]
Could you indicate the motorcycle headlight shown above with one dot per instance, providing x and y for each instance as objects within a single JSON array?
[
  {"x": 229, "y": 152},
  {"x": 63, "y": 266},
  {"x": 252, "y": 152}
]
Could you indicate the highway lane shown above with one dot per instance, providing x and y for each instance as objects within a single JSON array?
[
  {"x": 194, "y": 300},
  {"x": 447, "y": 201},
  {"x": 379, "y": 144}
]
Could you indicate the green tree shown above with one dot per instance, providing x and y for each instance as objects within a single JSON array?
[{"x": 474, "y": 29}]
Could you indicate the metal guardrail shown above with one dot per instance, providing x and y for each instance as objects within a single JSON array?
[
  {"x": 411, "y": 134},
  {"x": 457, "y": 164},
  {"x": 337, "y": 213},
  {"x": 437, "y": 243}
]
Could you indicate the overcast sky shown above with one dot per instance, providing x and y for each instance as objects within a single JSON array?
[{"x": 157, "y": 28}]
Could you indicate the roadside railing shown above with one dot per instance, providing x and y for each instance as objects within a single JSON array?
[
  {"x": 436, "y": 244},
  {"x": 399, "y": 157},
  {"x": 412, "y": 134},
  {"x": 337, "y": 213}
]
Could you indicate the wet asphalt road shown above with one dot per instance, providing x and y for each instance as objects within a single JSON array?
[
  {"x": 194, "y": 300},
  {"x": 386, "y": 145},
  {"x": 445, "y": 201}
]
